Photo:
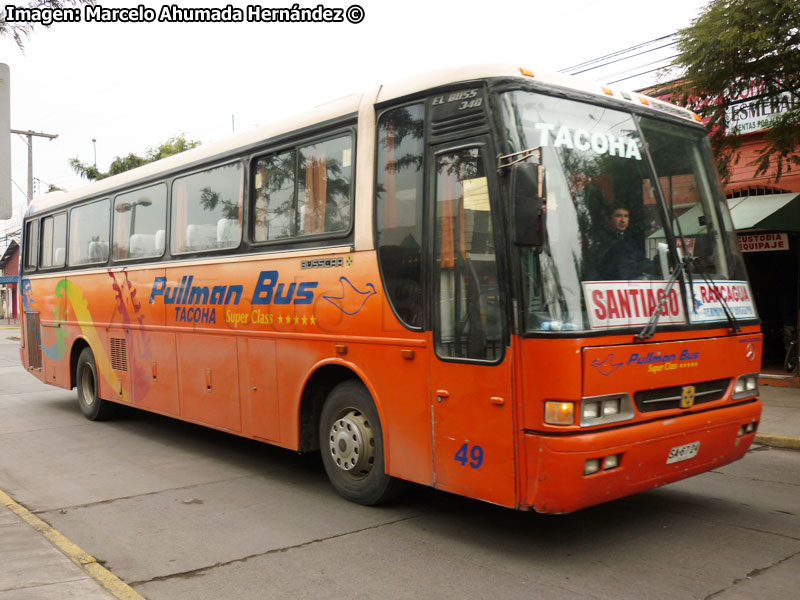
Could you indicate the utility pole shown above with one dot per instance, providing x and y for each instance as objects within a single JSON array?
[{"x": 30, "y": 135}]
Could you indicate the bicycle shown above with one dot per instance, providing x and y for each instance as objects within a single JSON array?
[{"x": 790, "y": 342}]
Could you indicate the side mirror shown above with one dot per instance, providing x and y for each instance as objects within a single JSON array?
[{"x": 529, "y": 205}]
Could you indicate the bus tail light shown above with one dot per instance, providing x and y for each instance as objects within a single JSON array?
[
  {"x": 557, "y": 412},
  {"x": 746, "y": 386}
]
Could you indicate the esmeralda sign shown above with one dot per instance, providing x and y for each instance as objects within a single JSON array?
[{"x": 753, "y": 110}]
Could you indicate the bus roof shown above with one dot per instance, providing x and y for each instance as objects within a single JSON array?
[{"x": 333, "y": 110}]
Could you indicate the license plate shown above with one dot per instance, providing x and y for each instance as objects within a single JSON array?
[{"x": 685, "y": 452}]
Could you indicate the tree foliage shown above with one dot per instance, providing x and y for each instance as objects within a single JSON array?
[
  {"x": 120, "y": 164},
  {"x": 21, "y": 30},
  {"x": 732, "y": 46}
]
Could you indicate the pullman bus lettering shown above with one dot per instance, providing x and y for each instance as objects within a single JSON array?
[{"x": 268, "y": 290}]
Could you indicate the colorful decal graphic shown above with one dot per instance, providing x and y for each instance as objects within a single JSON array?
[
  {"x": 351, "y": 300},
  {"x": 26, "y": 293},
  {"x": 130, "y": 310}
]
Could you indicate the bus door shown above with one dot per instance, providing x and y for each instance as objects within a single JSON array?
[{"x": 473, "y": 441}]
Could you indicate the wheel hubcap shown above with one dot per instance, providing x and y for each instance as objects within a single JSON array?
[{"x": 352, "y": 445}]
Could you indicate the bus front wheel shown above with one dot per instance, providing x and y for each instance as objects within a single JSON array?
[
  {"x": 351, "y": 441},
  {"x": 92, "y": 406}
]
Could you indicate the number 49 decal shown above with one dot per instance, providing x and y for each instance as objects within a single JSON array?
[{"x": 470, "y": 455}]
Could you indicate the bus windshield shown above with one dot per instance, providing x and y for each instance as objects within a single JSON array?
[{"x": 614, "y": 236}]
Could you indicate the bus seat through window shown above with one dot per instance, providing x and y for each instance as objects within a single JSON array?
[
  {"x": 201, "y": 237},
  {"x": 98, "y": 251},
  {"x": 160, "y": 239},
  {"x": 228, "y": 233},
  {"x": 58, "y": 257},
  {"x": 143, "y": 244}
]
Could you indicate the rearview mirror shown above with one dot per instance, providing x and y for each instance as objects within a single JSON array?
[{"x": 529, "y": 206}]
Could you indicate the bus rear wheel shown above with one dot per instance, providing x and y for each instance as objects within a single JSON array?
[
  {"x": 351, "y": 442},
  {"x": 92, "y": 406}
]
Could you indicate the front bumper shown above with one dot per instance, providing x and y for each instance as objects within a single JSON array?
[{"x": 556, "y": 482}]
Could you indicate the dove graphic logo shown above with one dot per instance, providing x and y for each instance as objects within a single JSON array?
[
  {"x": 351, "y": 300},
  {"x": 607, "y": 366}
]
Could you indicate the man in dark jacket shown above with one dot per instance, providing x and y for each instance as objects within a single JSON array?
[{"x": 624, "y": 258}]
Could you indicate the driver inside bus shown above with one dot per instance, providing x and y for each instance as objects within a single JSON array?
[{"x": 624, "y": 257}]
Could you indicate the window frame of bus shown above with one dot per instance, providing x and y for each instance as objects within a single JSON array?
[
  {"x": 166, "y": 222},
  {"x": 422, "y": 216},
  {"x": 170, "y": 231},
  {"x": 72, "y": 209},
  {"x": 30, "y": 227},
  {"x": 348, "y": 131},
  {"x": 482, "y": 142},
  {"x": 42, "y": 220}
]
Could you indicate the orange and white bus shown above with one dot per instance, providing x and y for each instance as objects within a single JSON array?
[{"x": 499, "y": 283}]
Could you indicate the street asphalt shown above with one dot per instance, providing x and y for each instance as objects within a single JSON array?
[{"x": 38, "y": 563}]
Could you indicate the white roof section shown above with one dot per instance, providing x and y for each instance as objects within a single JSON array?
[{"x": 339, "y": 108}]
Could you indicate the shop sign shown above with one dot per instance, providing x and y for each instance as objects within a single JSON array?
[
  {"x": 751, "y": 110},
  {"x": 764, "y": 242}
]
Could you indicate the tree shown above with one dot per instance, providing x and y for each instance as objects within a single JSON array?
[
  {"x": 120, "y": 164},
  {"x": 21, "y": 30},
  {"x": 732, "y": 46}
]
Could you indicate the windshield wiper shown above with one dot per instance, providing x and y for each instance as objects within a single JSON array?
[{"x": 650, "y": 328}]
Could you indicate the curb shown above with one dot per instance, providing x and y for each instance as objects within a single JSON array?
[
  {"x": 777, "y": 441},
  {"x": 110, "y": 582}
]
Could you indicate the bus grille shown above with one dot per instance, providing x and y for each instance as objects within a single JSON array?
[
  {"x": 34, "y": 340},
  {"x": 670, "y": 397},
  {"x": 119, "y": 354}
]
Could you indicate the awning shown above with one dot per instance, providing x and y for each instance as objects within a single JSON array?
[
  {"x": 6, "y": 279},
  {"x": 778, "y": 212}
]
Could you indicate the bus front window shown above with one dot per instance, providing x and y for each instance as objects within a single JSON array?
[
  {"x": 601, "y": 207},
  {"x": 608, "y": 254}
]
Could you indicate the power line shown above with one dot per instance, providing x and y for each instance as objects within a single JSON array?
[
  {"x": 617, "y": 53},
  {"x": 624, "y": 58}
]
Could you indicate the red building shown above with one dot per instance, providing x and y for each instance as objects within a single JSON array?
[
  {"x": 766, "y": 214},
  {"x": 9, "y": 281}
]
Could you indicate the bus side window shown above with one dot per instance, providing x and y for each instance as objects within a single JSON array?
[
  {"x": 325, "y": 186},
  {"x": 88, "y": 233},
  {"x": 54, "y": 241},
  {"x": 398, "y": 209},
  {"x": 207, "y": 210},
  {"x": 274, "y": 208},
  {"x": 31, "y": 245},
  {"x": 139, "y": 222},
  {"x": 468, "y": 318}
]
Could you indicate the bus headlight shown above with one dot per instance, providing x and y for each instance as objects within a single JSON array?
[
  {"x": 598, "y": 410},
  {"x": 746, "y": 386}
]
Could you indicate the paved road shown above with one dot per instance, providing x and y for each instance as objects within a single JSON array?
[{"x": 178, "y": 511}]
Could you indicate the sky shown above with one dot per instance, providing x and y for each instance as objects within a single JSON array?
[{"x": 132, "y": 86}]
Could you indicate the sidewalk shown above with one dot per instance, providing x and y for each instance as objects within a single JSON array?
[
  {"x": 38, "y": 563},
  {"x": 780, "y": 420}
]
